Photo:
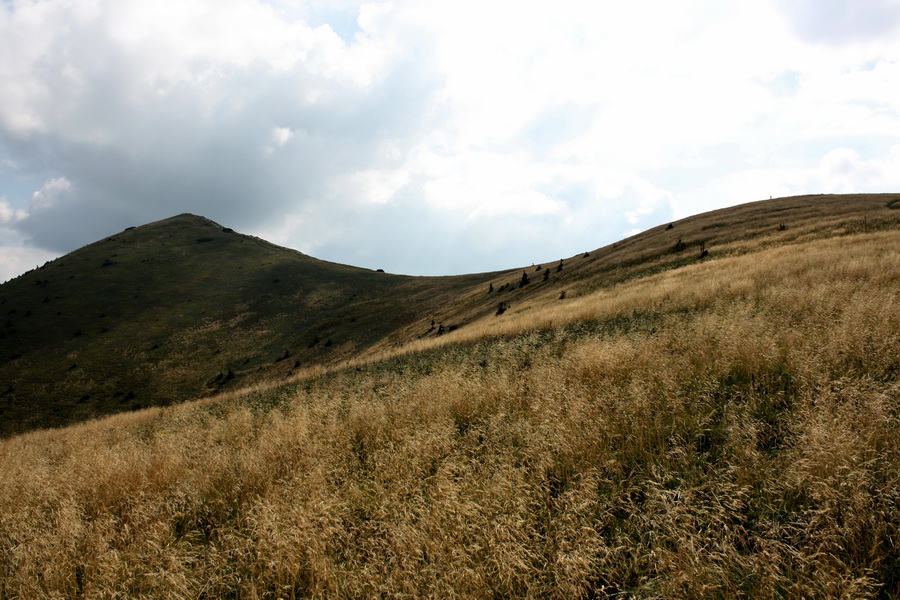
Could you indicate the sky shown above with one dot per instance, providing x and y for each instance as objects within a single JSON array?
[{"x": 432, "y": 137}]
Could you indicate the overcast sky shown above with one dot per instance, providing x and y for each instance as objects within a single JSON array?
[{"x": 433, "y": 137}]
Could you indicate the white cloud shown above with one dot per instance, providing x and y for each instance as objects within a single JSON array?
[
  {"x": 8, "y": 214},
  {"x": 282, "y": 135},
  {"x": 372, "y": 186},
  {"x": 837, "y": 171},
  {"x": 842, "y": 171},
  {"x": 15, "y": 260},
  {"x": 442, "y": 136},
  {"x": 15, "y": 256},
  {"x": 50, "y": 195}
]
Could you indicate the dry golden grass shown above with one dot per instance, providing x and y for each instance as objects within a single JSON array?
[
  {"x": 724, "y": 430},
  {"x": 729, "y": 232}
]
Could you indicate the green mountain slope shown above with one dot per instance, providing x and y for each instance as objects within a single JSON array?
[{"x": 180, "y": 308}]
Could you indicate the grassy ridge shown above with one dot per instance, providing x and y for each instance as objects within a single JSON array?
[{"x": 724, "y": 429}]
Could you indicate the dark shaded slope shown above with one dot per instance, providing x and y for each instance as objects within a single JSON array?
[{"x": 179, "y": 308}]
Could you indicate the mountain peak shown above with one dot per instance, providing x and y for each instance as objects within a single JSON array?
[{"x": 184, "y": 307}]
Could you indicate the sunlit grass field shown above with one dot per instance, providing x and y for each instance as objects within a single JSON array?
[{"x": 725, "y": 429}]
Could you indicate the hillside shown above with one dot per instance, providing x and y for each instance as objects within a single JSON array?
[
  {"x": 182, "y": 308},
  {"x": 676, "y": 426}
]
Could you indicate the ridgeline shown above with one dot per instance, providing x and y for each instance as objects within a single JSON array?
[{"x": 185, "y": 308}]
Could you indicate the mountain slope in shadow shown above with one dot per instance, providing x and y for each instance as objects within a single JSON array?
[{"x": 181, "y": 308}]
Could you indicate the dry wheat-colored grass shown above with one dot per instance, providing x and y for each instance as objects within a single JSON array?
[{"x": 727, "y": 430}]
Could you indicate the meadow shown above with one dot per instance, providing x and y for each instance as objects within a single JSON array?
[{"x": 724, "y": 429}]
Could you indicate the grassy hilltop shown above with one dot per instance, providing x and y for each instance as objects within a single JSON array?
[
  {"x": 722, "y": 426},
  {"x": 180, "y": 309}
]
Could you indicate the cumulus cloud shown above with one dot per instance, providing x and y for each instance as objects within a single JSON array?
[
  {"x": 429, "y": 137},
  {"x": 153, "y": 109},
  {"x": 8, "y": 214}
]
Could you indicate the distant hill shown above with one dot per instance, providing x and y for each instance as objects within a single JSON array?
[{"x": 184, "y": 307}]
